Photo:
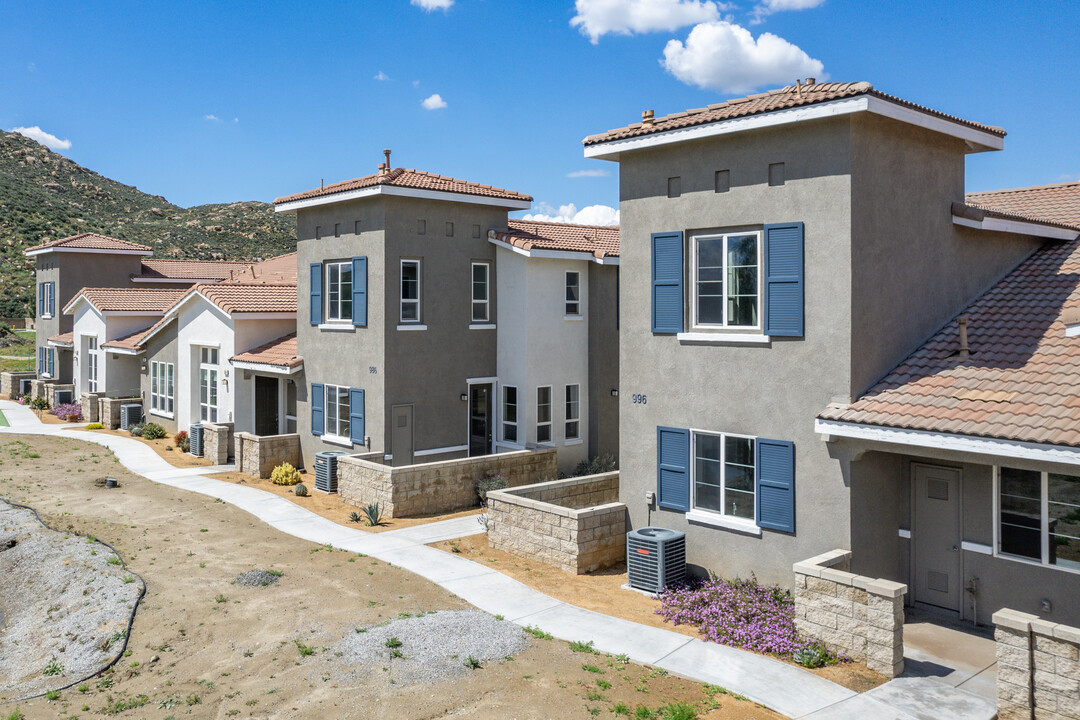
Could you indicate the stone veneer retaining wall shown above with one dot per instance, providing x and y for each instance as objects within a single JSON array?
[
  {"x": 9, "y": 383},
  {"x": 109, "y": 410},
  {"x": 218, "y": 443},
  {"x": 53, "y": 388},
  {"x": 258, "y": 455},
  {"x": 577, "y": 524},
  {"x": 859, "y": 616},
  {"x": 1038, "y": 667},
  {"x": 439, "y": 487},
  {"x": 91, "y": 406},
  {"x": 39, "y": 387}
]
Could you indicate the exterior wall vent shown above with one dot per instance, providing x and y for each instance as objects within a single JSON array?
[
  {"x": 63, "y": 397},
  {"x": 326, "y": 470},
  {"x": 130, "y": 414},
  {"x": 24, "y": 386},
  {"x": 655, "y": 558},
  {"x": 195, "y": 438}
]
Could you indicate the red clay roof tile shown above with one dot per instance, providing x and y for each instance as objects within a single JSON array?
[
  {"x": 417, "y": 179},
  {"x": 598, "y": 240}
]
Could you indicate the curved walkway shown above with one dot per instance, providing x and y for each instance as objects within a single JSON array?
[{"x": 784, "y": 688}]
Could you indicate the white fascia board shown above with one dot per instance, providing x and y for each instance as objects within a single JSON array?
[
  {"x": 1017, "y": 227},
  {"x": 88, "y": 251},
  {"x": 132, "y": 313},
  {"x": 264, "y": 315},
  {"x": 123, "y": 351},
  {"x": 555, "y": 254},
  {"x": 366, "y": 192},
  {"x": 265, "y": 368},
  {"x": 1038, "y": 452},
  {"x": 978, "y": 140},
  {"x": 179, "y": 281},
  {"x": 1072, "y": 330},
  {"x": 61, "y": 345}
]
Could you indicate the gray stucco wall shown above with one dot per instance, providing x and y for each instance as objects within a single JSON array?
[
  {"x": 162, "y": 348},
  {"x": 603, "y": 359},
  {"x": 771, "y": 391}
]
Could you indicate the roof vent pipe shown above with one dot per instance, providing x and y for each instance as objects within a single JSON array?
[
  {"x": 965, "y": 352},
  {"x": 387, "y": 154},
  {"x": 647, "y": 118},
  {"x": 811, "y": 81}
]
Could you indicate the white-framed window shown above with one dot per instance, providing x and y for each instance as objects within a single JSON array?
[
  {"x": 726, "y": 271},
  {"x": 47, "y": 295},
  {"x": 339, "y": 283},
  {"x": 543, "y": 414},
  {"x": 573, "y": 412},
  {"x": 208, "y": 384},
  {"x": 481, "y": 296},
  {"x": 337, "y": 411},
  {"x": 509, "y": 414},
  {"x": 91, "y": 364},
  {"x": 722, "y": 474},
  {"x": 573, "y": 293},
  {"x": 162, "y": 389},
  {"x": 410, "y": 291},
  {"x": 1038, "y": 517}
]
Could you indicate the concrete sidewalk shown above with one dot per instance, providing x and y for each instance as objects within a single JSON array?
[{"x": 784, "y": 688}]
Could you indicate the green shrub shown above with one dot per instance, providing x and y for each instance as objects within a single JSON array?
[
  {"x": 38, "y": 403},
  {"x": 599, "y": 464},
  {"x": 153, "y": 431},
  {"x": 136, "y": 430},
  {"x": 285, "y": 474},
  {"x": 300, "y": 490},
  {"x": 184, "y": 445},
  {"x": 95, "y": 426},
  {"x": 53, "y": 668},
  {"x": 813, "y": 655},
  {"x": 355, "y": 517},
  {"x": 489, "y": 482},
  {"x": 472, "y": 663}
]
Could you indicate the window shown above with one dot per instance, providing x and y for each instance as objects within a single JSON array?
[
  {"x": 723, "y": 474},
  {"x": 46, "y": 299},
  {"x": 726, "y": 280},
  {"x": 674, "y": 187},
  {"x": 91, "y": 364},
  {"x": 480, "y": 299},
  {"x": 208, "y": 384},
  {"x": 722, "y": 181},
  {"x": 162, "y": 391},
  {"x": 573, "y": 410},
  {"x": 543, "y": 414},
  {"x": 510, "y": 433},
  {"x": 573, "y": 293},
  {"x": 410, "y": 291},
  {"x": 1039, "y": 516},
  {"x": 339, "y": 290},
  {"x": 776, "y": 174},
  {"x": 337, "y": 411}
]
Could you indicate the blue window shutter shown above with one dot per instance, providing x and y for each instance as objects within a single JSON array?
[
  {"x": 673, "y": 468},
  {"x": 667, "y": 282},
  {"x": 317, "y": 421},
  {"x": 52, "y": 299},
  {"x": 775, "y": 485},
  {"x": 356, "y": 415},
  {"x": 52, "y": 357},
  {"x": 41, "y": 361},
  {"x": 41, "y": 299},
  {"x": 784, "y": 279},
  {"x": 316, "y": 293},
  {"x": 359, "y": 292}
]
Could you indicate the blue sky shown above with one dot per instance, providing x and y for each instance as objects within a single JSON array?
[{"x": 217, "y": 102}]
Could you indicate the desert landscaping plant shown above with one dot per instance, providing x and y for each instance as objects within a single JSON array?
[
  {"x": 95, "y": 426},
  {"x": 180, "y": 438},
  {"x": 68, "y": 411},
  {"x": 595, "y": 466},
  {"x": 285, "y": 474},
  {"x": 372, "y": 514},
  {"x": 153, "y": 431},
  {"x": 300, "y": 490},
  {"x": 355, "y": 517},
  {"x": 38, "y": 403},
  {"x": 487, "y": 483},
  {"x": 136, "y": 429}
]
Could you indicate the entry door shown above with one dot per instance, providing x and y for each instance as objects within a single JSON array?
[
  {"x": 479, "y": 420},
  {"x": 937, "y": 536},
  {"x": 401, "y": 435},
  {"x": 266, "y": 406}
]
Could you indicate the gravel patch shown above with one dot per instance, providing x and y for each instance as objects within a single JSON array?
[
  {"x": 434, "y": 646},
  {"x": 257, "y": 578},
  {"x": 65, "y": 607}
]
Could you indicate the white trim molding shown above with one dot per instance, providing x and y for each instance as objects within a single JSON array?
[
  {"x": 976, "y": 547},
  {"x": 265, "y": 368},
  {"x": 1017, "y": 227},
  {"x": 88, "y": 251},
  {"x": 411, "y": 326},
  {"x": 993, "y": 447},
  {"x": 359, "y": 193},
  {"x": 481, "y": 326},
  {"x": 904, "y": 533},
  {"x": 721, "y": 521},
  {"x": 721, "y": 338}
]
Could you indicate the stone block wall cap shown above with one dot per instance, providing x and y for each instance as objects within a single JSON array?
[
  {"x": 862, "y": 582},
  {"x": 886, "y": 588},
  {"x": 1043, "y": 627},
  {"x": 1067, "y": 633},
  {"x": 1013, "y": 619},
  {"x": 838, "y": 576},
  {"x": 808, "y": 567}
]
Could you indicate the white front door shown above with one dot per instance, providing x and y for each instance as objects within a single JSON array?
[
  {"x": 208, "y": 384},
  {"x": 91, "y": 364}
]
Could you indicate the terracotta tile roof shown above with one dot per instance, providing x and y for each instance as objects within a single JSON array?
[
  {"x": 598, "y": 240},
  {"x": 1058, "y": 203},
  {"x": 408, "y": 178},
  {"x": 155, "y": 268},
  {"x": 249, "y": 297},
  {"x": 90, "y": 241},
  {"x": 134, "y": 340},
  {"x": 128, "y": 299},
  {"x": 276, "y": 270},
  {"x": 779, "y": 99},
  {"x": 280, "y": 352},
  {"x": 67, "y": 338},
  {"x": 1022, "y": 380}
]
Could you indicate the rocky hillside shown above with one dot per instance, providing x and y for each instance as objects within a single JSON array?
[{"x": 44, "y": 196}]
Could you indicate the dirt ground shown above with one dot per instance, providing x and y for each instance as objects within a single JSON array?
[
  {"x": 202, "y": 647},
  {"x": 602, "y": 591},
  {"x": 174, "y": 456}
]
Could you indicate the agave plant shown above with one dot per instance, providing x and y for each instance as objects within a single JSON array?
[{"x": 372, "y": 514}]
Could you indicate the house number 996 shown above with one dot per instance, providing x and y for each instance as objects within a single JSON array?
[
  {"x": 639, "y": 399},
  {"x": 371, "y": 369}
]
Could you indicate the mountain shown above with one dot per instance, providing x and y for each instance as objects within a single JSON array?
[{"x": 44, "y": 196}]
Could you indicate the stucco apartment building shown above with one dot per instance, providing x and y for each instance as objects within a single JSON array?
[
  {"x": 425, "y": 313},
  {"x": 782, "y": 254}
]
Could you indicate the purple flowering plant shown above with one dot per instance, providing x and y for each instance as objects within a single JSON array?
[
  {"x": 741, "y": 613},
  {"x": 68, "y": 411}
]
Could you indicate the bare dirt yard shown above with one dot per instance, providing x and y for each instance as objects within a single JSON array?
[{"x": 313, "y": 637}]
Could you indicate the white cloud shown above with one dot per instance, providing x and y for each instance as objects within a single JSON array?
[
  {"x": 434, "y": 102},
  {"x": 416, "y": 83},
  {"x": 432, "y": 5},
  {"x": 48, "y": 140},
  {"x": 598, "y": 172},
  {"x": 381, "y": 76},
  {"x": 768, "y": 7},
  {"x": 31, "y": 67},
  {"x": 625, "y": 17},
  {"x": 212, "y": 118},
  {"x": 236, "y": 120},
  {"x": 591, "y": 215},
  {"x": 725, "y": 57}
]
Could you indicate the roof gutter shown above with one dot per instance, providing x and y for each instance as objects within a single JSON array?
[
  {"x": 266, "y": 368},
  {"x": 980, "y": 219}
]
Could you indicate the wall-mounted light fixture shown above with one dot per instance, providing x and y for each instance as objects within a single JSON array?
[
  {"x": 143, "y": 364},
  {"x": 464, "y": 397},
  {"x": 614, "y": 392}
]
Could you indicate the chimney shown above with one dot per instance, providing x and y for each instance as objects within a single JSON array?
[
  {"x": 965, "y": 352},
  {"x": 387, "y": 154},
  {"x": 647, "y": 118},
  {"x": 798, "y": 86},
  {"x": 382, "y": 170},
  {"x": 322, "y": 183},
  {"x": 811, "y": 81}
]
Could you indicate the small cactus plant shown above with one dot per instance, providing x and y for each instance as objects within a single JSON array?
[
  {"x": 300, "y": 490},
  {"x": 811, "y": 656}
]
